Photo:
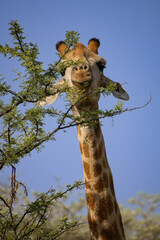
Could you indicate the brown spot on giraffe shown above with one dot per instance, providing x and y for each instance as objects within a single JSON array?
[
  {"x": 93, "y": 226},
  {"x": 95, "y": 153},
  {"x": 97, "y": 130},
  {"x": 86, "y": 167},
  {"x": 93, "y": 144},
  {"x": 105, "y": 208},
  {"x": 97, "y": 169},
  {"x": 111, "y": 183},
  {"x": 90, "y": 200},
  {"x": 86, "y": 150},
  {"x": 108, "y": 234},
  {"x": 105, "y": 179},
  {"x": 111, "y": 232},
  {"x": 116, "y": 206},
  {"x": 100, "y": 149},
  {"x": 99, "y": 186}
]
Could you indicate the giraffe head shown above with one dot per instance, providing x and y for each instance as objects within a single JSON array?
[{"x": 86, "y": 74}]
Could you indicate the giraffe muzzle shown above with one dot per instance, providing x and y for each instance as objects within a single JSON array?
[{"x": 82, "y": 84}]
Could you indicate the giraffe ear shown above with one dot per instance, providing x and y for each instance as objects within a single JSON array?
[
  {"x": 119, "y": 91},
  {"x": 93, "y": 45},
  {"x": 62, "y": 47},
  {"x": 55, "y": 91}
]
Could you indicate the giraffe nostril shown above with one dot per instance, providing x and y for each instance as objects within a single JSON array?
[
  {"x": 75, "y": 68},
  {"x": 85, "y": 67},
  {"x": 81, "y": 67}
]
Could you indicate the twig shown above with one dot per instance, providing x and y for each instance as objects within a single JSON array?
[
  {"x": 65, "y": 230},
  {"x": 8, "y": 206},
  {"x": 12, "y": 107},
  {"x": 19, "y": 40}
]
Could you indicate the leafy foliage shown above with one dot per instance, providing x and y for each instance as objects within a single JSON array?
[{"x": 34, "y": 219}]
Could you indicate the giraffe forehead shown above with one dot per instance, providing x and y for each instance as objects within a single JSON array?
[
  {"x": 79, "y": 47},
  {"x": 78, "y": 52},
  {"x": 81, "y": 52}
]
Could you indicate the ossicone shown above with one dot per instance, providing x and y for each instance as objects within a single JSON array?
[
  {"x": 93, "y": 45},
  {"x": 61, "y": 47}
]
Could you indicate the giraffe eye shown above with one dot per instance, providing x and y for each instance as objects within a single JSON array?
[{"x": 101, "y": 66}]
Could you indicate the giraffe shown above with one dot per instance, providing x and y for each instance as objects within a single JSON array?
[{"x": 104, "y": 218}]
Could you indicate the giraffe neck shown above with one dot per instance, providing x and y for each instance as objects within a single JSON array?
[{"x": 104, "y": 216}]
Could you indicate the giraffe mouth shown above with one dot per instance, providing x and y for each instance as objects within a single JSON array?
[{"x": 82, "y": 84}]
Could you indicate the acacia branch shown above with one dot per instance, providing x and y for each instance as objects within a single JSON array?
[
  {"x": 11, "y": 108},
  {"x": 4, "y": 201},
  {"x": 114, "y": 113}
]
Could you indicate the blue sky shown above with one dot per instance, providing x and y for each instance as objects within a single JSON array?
[{"x": 129, "y": 32}]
